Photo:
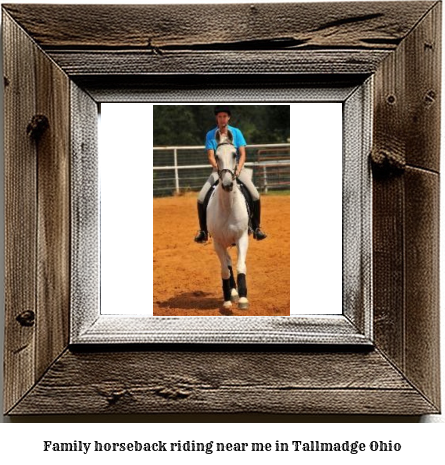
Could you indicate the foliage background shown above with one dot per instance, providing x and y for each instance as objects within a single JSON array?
[{"x": 188, "y": 124}]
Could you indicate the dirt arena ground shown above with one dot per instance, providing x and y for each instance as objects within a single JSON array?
[{"x": 186, "y": 275}]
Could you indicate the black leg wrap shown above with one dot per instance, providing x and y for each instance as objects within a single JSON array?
[
  {"x": 242, "y": 286},
  {"x": 232, "y": 279},
  {"x": 226, "y": 289}
]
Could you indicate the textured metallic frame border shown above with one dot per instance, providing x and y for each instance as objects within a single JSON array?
[{"x": 354, "y": 326}]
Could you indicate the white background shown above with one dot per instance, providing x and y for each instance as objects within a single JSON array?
[
  {"x": 126, "y": 180},
  {"x": 22, "y": 442}
]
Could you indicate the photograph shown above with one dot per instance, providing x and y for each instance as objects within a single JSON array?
[{"x": 221, "y": 187}]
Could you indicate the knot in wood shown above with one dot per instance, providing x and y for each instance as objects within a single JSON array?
[
  {"x": 172, "y": 393},
  {"x": 112, "y": 394},
  {"x": 37, "y": 126},
  {"x": 114, "y": 397},
  {"x": 26, "y": 318},
  {"x": 387, "y": 163}
]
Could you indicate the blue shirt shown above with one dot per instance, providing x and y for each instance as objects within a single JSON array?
[{"x": 238, "y": 139}]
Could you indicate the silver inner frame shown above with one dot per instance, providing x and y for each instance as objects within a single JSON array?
[{"x": 353, "y": 327}]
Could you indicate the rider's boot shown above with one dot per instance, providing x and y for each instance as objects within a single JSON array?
[
  {"x": 256, "y": 221},
  {"x": 202, "y": 235}
]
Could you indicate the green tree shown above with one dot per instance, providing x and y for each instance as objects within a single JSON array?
[{"x": 188, "y": 124}]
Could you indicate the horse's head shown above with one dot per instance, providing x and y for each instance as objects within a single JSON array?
[{"x": 226, "y": 159}]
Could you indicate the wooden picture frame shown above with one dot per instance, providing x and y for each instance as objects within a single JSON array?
[
  {"x": 89, "y": 321},
  {"x": 77, "y": 55}
]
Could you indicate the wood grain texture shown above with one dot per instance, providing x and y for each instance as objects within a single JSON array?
[
  {"x": 388, "y": 268},
  {"x": 406, "y": 222},
  {"x": 389, "y": 143},
  {"x": 161, "y": 27},
  {"x": 422, "y": 281},
  {"x": 407, "y": 111},
  {"x": 399, "y": 42},
  {"x": 223, "y": 382},
  {"x": 53, "y": 199},
  {"x": 423, "y": 91},
  {"x": 163, "y": 39},
  {"x": 37, "y": 218},
  {"x": 100, "y": 63},
  {"x": 20, "y": 213}
]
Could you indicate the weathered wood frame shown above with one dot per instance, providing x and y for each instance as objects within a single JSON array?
[{"x": 108, "y": 50}]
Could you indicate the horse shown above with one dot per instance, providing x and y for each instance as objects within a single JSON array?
[{"x": 228, "y": 223}]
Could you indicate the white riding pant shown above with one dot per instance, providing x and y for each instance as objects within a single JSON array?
[{"x": 245, "y": 177}]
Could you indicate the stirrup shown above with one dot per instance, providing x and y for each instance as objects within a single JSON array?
[
  {"x": 259, "y": 235},
  {"x": 201, "y": 237}
]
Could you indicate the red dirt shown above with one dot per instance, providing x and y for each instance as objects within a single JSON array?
[{"x": 186, "y": 275}]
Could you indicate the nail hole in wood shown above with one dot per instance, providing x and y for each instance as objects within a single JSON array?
[{"x": 430, "y": 97}]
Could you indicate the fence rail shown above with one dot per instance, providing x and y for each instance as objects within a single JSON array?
[{"x": 179, "y": 169}]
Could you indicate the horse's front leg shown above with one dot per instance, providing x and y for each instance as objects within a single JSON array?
[
  {"x": 242, "y": 246},
  {"x": 225, "y": 273},
  {"x": 233, "y": 292}
]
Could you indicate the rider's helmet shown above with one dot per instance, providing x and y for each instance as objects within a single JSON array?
[{"x": 222, "y": 109}]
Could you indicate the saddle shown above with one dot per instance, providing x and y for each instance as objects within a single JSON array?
[{"x": 244, "y": 191}]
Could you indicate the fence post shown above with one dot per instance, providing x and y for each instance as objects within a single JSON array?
[
  {"x": 175, "y": 156},
  {"x": 265, "y": 179}
]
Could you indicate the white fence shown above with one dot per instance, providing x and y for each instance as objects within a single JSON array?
[{"x": 181, "y": 169}]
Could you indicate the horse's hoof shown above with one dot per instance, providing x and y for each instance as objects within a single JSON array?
[
  {"x": 234, "y": 295},
  {"x": 227, "y": 304},
  {"x": 243, "y": 303}
]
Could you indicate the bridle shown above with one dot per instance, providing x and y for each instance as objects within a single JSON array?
[{"x": 221, "y": 172}]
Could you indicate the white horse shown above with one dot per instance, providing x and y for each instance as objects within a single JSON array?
[{"x": 228, "y": 223}]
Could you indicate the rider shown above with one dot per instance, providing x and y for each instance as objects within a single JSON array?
[{"x": 222, "y": 114}]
